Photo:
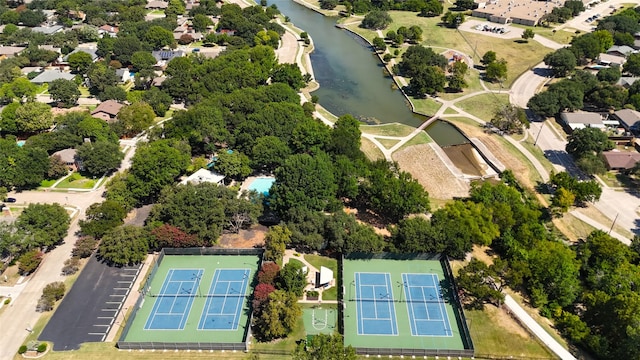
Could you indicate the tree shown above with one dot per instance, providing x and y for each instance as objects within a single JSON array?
[
  {"x": 279, "y": 317},
  {"x": 124, "y": 245},
  {"x": 465, "y": 4},
  {"x": 345, "y": 137},
  {"x": 427, "y": 81},
  {"x": 432, "y": 8},
  {"x": 64, "y": 92},
  {"x": 142, "y": 60},
  {"x": 54, "y": 291},
  {"x": 288, "y": 74},
  {"x": 276, "y": 242},
  {"x": 135, "y": 118},
  {"x": 101, "y": 218},
  {"x": 80, "y": 61},
  {"x": 563, "y": 199},
  {"x": 554, "y": 274},
  {"x": 376, "y": 20},
  {"x": 497, "y": 71},
  {"x": 610, "y": 75},
  {"x": 57, "y": 168},
  {"x": 100, "y": 158},
  {"x": 588, "y": 141},
  {"x": 303, "y": 181},
  {"x": 158, "y": 100},
  {"x": 453, "y": 19},
  {"x": 159, "y": 37},
  {"x": 22, "y": 167},
  {"x": 32, "y": 18},
  {"x": 562, "y": 62},
  {"x": 528, "y": 34},
  {"x": 84, "y": 247},
  {"x": 269, "y": 153},
  {"x": 632, "y": 66},
  {"x": 175, "y": 8},
  {"x": 291, "y": 278},
  {"x": 201, "y": 22},
  {"x": 34, "y": 117},
  {"x": 416, "y": 235},
  {"x": 20, "y": 88},
  {"x": 323, "y": 346},
  {"x": 592, "y": 164},
  {"x": 510, "y": 119},
  {"x": 29, "y": 261},
  {"x": 260, "y": 297},
  {"x": 234, "y": 165},
  {"x": 379, "y": 44},
  {"x": 100, "y": 77},
  {"x": 489, "y": 57},
  {"x": 166, "y": 235},
  {"x": 479, "y": 285},
  {"x": 47, "y": 224},
  {"x": 458, "y": 71},
  {"x": 268, "y": 273}
]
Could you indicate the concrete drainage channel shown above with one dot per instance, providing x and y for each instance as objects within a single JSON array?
[{"x": 89, "y": 310}]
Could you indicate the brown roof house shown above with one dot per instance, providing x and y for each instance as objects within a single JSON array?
[
  {"x": 107, "y": 110},
  {"x": 621, "y": 160},
  {"x": 70, "y": 158}
]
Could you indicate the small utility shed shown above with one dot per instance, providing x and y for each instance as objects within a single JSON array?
[
  {"x": 203, "y": 176},
  {"x": 581, "y": 120}
]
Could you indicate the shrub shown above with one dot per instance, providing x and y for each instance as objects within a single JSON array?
[
  {"x": 71, "y": 266},
  {"x": 7, "y": 301},
  {"x": 268, "y": 273},
  {"x": 54, "y": 291},
  {"x": 29, "y": 261},
  {"x": 42, "y": 347},
  {"x": 312, "y": 294},
  {"x": 22, "y": 350},
  {"x": 84, "y": 247},
  {"x": 44, "y": 304}
]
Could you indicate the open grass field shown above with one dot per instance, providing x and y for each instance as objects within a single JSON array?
[
  {"x": 76, "y": 182},
  {"x": 421, "y": 138},
  {"x": 483, "y": 105},
  {"x": 370, "y": 150},
  {"x": 520, "y": 57},
  {"x": 426, "y": 106},
  {"x": 388, "y": 143},
  {"x": 387, "y": 129}
]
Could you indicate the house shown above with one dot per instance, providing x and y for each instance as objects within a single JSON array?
[
  {"x": 124, "y": 75},
  {"x": 108, "y": 30},
  {"x": 629, "y": 119},
  {"x": 156, "y": 5},
  {"x": 10, "y": 51},
  {"x": 70, "y": 158},
  {"x": 48, "y": 76},
  {"x": 581, "y": 120},
  {"x": 627, "y": 81},
  {"x": 107, "y": 110},
  {"x": 203, "y": 176},
  {"x": 48, "y": 30},
  {"x": 90, "y": 51},
  {"x": 164, "y": 56},
  {"x": 611, "y": 60},
  {"x": 77, "y": 15},
  {"x": 621, "y": 160},
  {"x": 621, "y": 50},
  {"x": 30, "y": 69},
  {"x": 157, "y": 81}
]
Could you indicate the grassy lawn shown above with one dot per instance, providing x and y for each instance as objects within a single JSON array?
[
  {"x": 370, "y": 150},
  {"x": 296, "y": 261},
  {"x": 328, "y": 115},
  {"x": 483, "y": 105},
  {"x": 76, "y": 181},
  {"x": 520, "y": 57},
  {"x": 562, "y": 36},
  {"x": 288, "y": 344},
  {"x": 330, "y": 294},
  {"x": 388, "y": 143},
  {"x": 317, "y": 261},
  {"x": 538, "y": 153},
  {"x": 387, "y": 129},
  {"x": 615, "y": 179},
  {"x": 47, "y": 183},
  {"x": 42, "y": 89},
  {"x": 534, "y": 176},
  {"x": 156, "y": 12},
  {"x": 450, "y": 111},
  {"x": 573, "y": 228},
  {"x": 473, "y": 85},
  {"x": 491, "y": 336},
  {"x": 421, "y": 138},
  {"x": 426, "y": 106},
  {"x": 84, "y": 91}
]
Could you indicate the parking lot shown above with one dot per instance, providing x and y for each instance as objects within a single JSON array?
[{"x": 90, "y": 309}]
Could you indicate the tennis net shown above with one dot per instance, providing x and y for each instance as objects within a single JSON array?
[{"x": 198, "y": 295}]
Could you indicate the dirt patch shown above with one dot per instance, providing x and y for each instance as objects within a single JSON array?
[
  {"x": 245, "y": 239},
  {"x": 138, "y": 216},
  {"x": 482, "y": 253},
  {"x": 520, "y": 170},
  {"x": 462, "y": 155},
  {"x": 505, "y": 321},
  {"x": 422, "y": 162},
  {"x": 372, "y": 220}
]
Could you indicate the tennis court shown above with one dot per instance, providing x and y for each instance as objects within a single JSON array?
[
  {"x": 426, "y": 306},
  {"x": 224, "y": 302},
  {"x": 375, "y": 307},
  {"x": 401, "y": 305},
  {"x": 173, "y": 303},
  {"x": 194, "y": 302}
]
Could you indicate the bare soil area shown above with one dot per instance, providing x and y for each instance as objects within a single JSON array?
[
  {"x": 505, "y": 321},
  {"x": 245, "y": 239},
  {"x": 462, "y": 155},
  {"x": 424, "y": 165}
]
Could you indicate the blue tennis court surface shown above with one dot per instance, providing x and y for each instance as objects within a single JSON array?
[
  {"x": 375, "y": 308},
  {"x": 173, "y": 302},
  {"x": 224, "y": 301},
  {"x": 426, "y": 307}
]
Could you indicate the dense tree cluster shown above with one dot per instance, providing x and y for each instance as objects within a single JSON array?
[{"x": 586, "y": 146}]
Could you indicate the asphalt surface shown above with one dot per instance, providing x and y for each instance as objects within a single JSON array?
[{"x": 88, "y": 311}]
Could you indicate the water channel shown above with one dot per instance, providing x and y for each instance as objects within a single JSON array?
[{"x": 352, "y": 79}]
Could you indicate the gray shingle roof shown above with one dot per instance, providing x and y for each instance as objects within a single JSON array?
[{"x": 48, "y": 76}]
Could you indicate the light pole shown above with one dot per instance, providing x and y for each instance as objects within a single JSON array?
[{"x": 539, "y": 132}]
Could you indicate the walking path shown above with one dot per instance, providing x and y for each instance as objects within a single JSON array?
[{"x": 536, "y": 329}]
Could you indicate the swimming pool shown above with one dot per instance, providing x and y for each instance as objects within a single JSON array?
[
  {"x": 262, "y": 185},
  {"x": 21, "y": 143}
]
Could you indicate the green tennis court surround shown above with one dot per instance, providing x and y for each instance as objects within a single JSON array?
[
  {"x": 197, "y": 302},
  {"x": 402, "y": 305}
]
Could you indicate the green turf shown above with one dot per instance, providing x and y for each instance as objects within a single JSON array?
[
  {"x": 322, "y": 320},
  {"x": 404, "y": 339},
  {"x": 190, "y": 333}
]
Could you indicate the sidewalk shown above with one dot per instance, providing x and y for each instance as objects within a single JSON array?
[
  {"x": 311, "y": 276},
  {"x": 536, "y": 329}
]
